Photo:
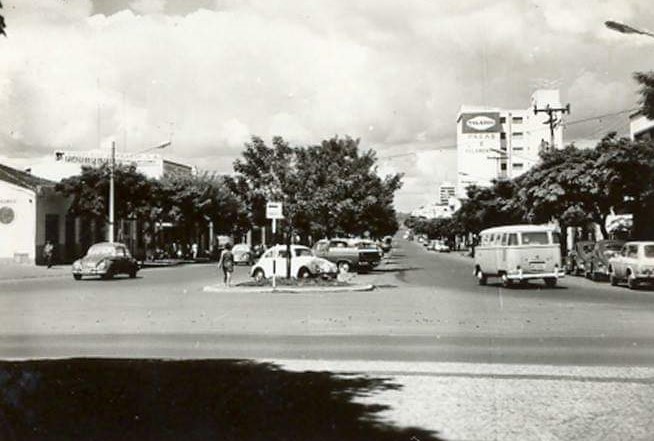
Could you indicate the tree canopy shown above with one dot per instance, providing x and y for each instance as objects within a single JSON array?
[{"x": 327, "y": 189}]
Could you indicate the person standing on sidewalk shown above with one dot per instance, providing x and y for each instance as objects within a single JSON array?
[
  {"x": 48, "y": 251},
  {"x": 226, "y": 262}
]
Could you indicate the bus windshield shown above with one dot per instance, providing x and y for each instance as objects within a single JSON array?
[{"x": 535, "y": 238}]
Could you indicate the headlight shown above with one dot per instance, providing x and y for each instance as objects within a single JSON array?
[{"x": 77, "y": 265}]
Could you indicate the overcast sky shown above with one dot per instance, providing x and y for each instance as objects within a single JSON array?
[{"x": 75, "y": 74}]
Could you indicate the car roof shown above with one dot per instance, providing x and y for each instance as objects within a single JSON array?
[
  {"x": 640, "y": 242},
  {"x": 114, "y": 244},
  {"x": 521, "y": 228}
]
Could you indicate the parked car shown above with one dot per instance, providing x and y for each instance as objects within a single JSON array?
[
  {"x": 106, "y": 259},
  {"x": 633, "y": 264},
  {"x": 366, "y": 244},
  {"x": 304, "y": 263},
  {"x": 579, "y": 258},
  {"x": 438, "y": 246},
  {"x": 242, "y": 254},
  {"x": 347, "y": 256},
  {"x": 599, "y": 263}
]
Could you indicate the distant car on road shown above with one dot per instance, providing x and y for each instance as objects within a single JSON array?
[
  {"x": 106, "y": 259},
  {"x": 599, "y": 259},
  {"x": 304, "y": 264},
  {"x": 633, "y": 264},
  {"x": 438, "y": 246},
  {"x": 579, "y": 258},
  {"x": 387, "y": 244},
  {"x": 242, "y": 254}
]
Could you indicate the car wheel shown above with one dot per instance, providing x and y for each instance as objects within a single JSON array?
[
  {"x": 595, "y": 276},
  {"x": 343, "y": 267},
  {"x": 481, "y": 278},
  {"x": 550, "y": 282},
  {"x": 132, "y": 274},
  {"x": 506, "y": 282},
  {"x": 632, "y": 282},
  {"x": 259, "y": 275},
  {"x": 304, "y": 273},
  {"x": 77, "y": 276},
  {"x": 613, "y": 279},
  {"x": 108, "y": 275}
]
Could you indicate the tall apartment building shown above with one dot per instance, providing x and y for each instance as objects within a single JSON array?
[{"x": 495, "y": 143}]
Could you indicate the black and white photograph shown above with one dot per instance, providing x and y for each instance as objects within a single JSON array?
[{"x": 350, "y": 220}]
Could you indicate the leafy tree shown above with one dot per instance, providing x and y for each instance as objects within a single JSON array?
[
  {"x": 625, "y": 171},
  {"x": 90, "y": 192},
  {"x": 487, "y": 207},
  {"x": 327, "y": 189},
  {"x": 646, "y": 81},
  {"x": 2, "y": 23}
]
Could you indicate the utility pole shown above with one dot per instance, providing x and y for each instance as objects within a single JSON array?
[
  {"x": 112, "y": 167},
  {"x": 553, "y": 120}
]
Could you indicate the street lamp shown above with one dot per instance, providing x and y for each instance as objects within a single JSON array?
[
  {"x": 112, "y": 192},
  {"x": 626, "y": 29}
]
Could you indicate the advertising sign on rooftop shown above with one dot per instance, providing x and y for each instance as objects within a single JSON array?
[{"x": 480, "y": 122}]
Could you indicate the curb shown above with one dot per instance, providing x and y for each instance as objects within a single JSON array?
[{"x": 285, "y": 289}]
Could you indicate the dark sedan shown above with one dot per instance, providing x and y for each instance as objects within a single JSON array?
[{"x": 106, "y": 259}]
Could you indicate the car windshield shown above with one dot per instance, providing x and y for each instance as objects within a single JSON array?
[
  {"x": 649, "y": 251},
  {"x": 535, "y": 238},
  {"x": 101, "y": 250},
  {"x": 611, "y": 249}
]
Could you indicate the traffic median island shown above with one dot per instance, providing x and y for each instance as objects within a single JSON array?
[{"x": 291, "y": 286}]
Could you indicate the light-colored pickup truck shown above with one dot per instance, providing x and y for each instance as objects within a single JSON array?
[{"x": 347, "y": 255}]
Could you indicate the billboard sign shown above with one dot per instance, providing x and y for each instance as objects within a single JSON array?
[{"x": 481, "y": 122}]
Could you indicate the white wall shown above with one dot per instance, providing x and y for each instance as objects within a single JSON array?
[{"x": 18, "y": 236}]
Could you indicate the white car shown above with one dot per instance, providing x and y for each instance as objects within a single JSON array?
[
  {"x": 304, "y": 263},
  {"x": 634, "y": 264}
]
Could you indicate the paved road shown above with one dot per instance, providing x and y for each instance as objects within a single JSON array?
[
  {"x": 462, "y": 361},
  {"x": 428, "y": 308}
]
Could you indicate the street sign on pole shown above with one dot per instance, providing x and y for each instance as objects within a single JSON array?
[{"x": 274, "y": 210}]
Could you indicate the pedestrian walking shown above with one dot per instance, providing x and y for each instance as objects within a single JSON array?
[
  {"x": 226, "y": 262},
  {"x": 48, "y": 251}
]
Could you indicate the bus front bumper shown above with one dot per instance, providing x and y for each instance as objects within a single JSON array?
[{"x": 558, "y": 273}]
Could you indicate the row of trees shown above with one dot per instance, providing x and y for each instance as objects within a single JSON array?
[
  {"x": 573, "y": 187},
  {"x": 327, "y": 189}
]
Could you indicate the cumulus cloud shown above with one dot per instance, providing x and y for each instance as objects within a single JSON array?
[{"x": 393, "y": 76}]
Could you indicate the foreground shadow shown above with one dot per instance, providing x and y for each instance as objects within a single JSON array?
[{"x": 118, "y": 399}]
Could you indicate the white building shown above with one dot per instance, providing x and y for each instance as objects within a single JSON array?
[
  {"x": 446, "y": 191},
  {"x": 31, "y": 212},
  {"x": 494, "y": 143},
  {"x": 641, "y": 127}
]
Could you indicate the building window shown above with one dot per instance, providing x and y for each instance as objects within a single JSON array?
[
  {"x": 517, "y": 166},
  {"x": 502, "y": 119},
  {"x": 503, "y": 166},
  {"x": 502, "y": 135},
  {"x": 516, "y": 120},
  {"x": 518, "y": 148},
  {"x": 517, "y": 135}
]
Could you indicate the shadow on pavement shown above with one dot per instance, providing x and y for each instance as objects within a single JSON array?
[{"x": 120, "y": 399}]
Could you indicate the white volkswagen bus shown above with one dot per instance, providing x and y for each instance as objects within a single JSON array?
[{"x": 516, "y": 253}]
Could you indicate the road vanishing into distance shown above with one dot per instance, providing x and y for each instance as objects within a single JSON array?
[{"x": 467, "y": 361}]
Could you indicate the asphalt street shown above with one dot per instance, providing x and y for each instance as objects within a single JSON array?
[
  {"x": 427, "y": 308},
  {"x": 450, "y": 359}
]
